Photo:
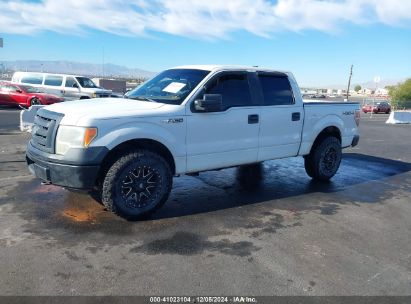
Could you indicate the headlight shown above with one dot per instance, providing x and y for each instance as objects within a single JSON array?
[
  {"x": 95, "y": 95},
  {"x": 73, "y": 137}
]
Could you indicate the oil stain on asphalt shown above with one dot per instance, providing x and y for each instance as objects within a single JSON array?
[{"x": 186, "y": 243}]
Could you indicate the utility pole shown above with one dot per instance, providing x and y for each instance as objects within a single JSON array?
[
  {"x": 103, "y": 60},
  {"x": 349, "y": 82}
]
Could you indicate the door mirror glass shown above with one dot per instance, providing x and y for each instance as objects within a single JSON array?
[{"x": 209, "y": 103}]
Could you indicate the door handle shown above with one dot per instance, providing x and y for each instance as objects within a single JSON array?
[
  {"x": 295, "y": 116},
  {"x": 253, "y": 119}
]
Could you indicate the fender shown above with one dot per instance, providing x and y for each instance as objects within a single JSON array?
[
  {"x": 310, "y": 133},
  {"x": 116, "y": 135}
]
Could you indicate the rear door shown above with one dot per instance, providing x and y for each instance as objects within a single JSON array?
[
  {"x": 226, "y": 138},
  {"x": 53, "y": 84},
  {"x": 281, "y": 118}
]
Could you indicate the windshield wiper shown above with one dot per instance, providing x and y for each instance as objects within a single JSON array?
[{"x": 142, "y": 98}]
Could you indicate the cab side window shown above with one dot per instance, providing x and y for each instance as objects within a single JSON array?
[
  {"x": 70, "y": 82},
  {"x": 32, "y": 79},
  {"x": 234, "y": 89},
  {"x": 53, "y": 80},
  {"x": 276, "y": 90}
]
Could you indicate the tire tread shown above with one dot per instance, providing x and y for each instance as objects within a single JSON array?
[
  {"x": 110, "y": 178},
  {"x": 312, "y": 161}
]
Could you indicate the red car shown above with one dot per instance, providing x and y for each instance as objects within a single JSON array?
[
  {"x": 25, "y": 96},
  {"x": 378, "y": 107}
]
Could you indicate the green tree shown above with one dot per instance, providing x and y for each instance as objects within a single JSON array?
[
  {"x": 357, "y": 88},
  {"x": 401, "y": 95}
]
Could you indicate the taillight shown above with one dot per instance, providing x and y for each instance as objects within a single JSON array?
[{"x": 357, "y": 117}]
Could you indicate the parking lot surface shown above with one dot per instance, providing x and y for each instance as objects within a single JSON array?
[{"x": 286, "y": 236}]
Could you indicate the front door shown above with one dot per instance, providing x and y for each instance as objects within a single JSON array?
[
  {"x": 71, "y": 90},
  {"x": 226, "y": 138},
  {"x": 17, "y": 96}
]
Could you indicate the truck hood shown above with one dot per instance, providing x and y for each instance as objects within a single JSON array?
[{"x": 102, "y": 108}]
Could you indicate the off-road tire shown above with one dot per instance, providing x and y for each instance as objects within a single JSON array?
[
  {"x": 125, "y": 175},
  {"x": 324, "y": 159}
]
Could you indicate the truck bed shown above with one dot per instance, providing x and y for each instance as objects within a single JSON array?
[
  {"x": 315, "y": 102},
  {"x": 322, "y": 114}
]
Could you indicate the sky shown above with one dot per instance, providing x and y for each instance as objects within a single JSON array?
[{"x": 317, "y": 40}]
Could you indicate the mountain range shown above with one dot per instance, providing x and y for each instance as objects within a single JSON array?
[
  {"x": 118, "y": 71},
  {"x": 365, "y": 85},
  {"x": 76, "y": 68}
]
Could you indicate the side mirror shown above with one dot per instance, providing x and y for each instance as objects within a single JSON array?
[
  {"x": 75, "y": 85},
  {"x": 209, "y": 103},
  {"x": 19, "y": 91}
]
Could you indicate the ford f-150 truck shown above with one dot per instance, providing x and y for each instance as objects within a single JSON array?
[{"x": 183, "y": 121}]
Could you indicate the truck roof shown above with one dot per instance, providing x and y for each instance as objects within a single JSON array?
[{"x": 212, "y": 67}]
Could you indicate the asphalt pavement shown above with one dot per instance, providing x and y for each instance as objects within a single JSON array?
[
  {"x": 9, "y": 118},
  {"x": 287, "y": 235}
]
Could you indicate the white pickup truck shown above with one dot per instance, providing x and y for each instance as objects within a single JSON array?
[{"x": 183, "y": 121}]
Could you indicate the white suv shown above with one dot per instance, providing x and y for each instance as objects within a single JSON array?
[{"x": 70, "y": 87}]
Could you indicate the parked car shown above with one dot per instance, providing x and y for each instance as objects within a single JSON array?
[
  {"x": 25, "y": 96},
  {"x": 70, "y": 87},
  {"x": 378, "y": 107},
  {"x": 316, "y": 96},
  {"x": 183, "y": 121}
]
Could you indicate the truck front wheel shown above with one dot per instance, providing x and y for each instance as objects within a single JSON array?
[
  {"x": 137, "y": 184},
  {"x": 324, "y": 159}
]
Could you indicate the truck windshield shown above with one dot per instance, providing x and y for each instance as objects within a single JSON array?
[
  {"x": 171, "y": 86},
  {"x": 86, "y": 82}
]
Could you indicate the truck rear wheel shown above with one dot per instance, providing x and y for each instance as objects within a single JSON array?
[
  {"x": 137, "y": 184},
  {"x": 324, "y": 159}
]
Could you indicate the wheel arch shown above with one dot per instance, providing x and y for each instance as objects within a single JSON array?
[
  {"x": 30, "y": 98},
  {"x": 132, "y": 144},
  {"x": 326, "y": 132},
  {"x": 313, "y": 132}
]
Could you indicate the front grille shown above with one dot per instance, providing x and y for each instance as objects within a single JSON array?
[
  {"x": 45, "y": 129},
  {"x": 103, "y": 95}
]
